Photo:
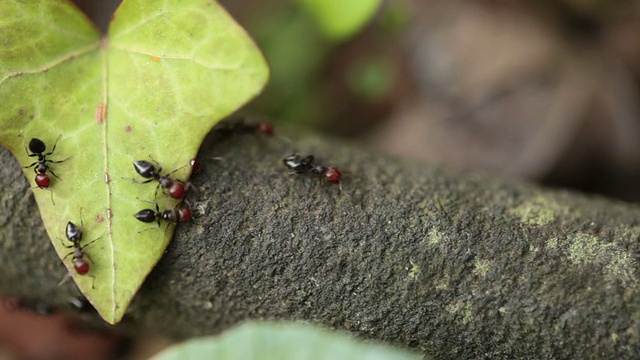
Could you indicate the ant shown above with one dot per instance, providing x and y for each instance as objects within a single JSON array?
[
  {"x": 171, "y": 216},
  {"x": 37, "y": 148},
  {"x": 240, "y": 126},
  {"x": 304, "y": 165},
  {"x": 148, "y": 170},
  {"x": 74, "y": 234}
]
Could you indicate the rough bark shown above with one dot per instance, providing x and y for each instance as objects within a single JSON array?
[{"x": 458, "y": 265}]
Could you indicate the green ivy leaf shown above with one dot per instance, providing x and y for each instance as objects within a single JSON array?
[
  {"x": 154, "y": 87},
  {"x": 340, "y": 19},
  {"x": 279, "y": 341}
]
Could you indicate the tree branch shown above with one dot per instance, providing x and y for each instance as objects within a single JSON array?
[{"x": 457, "y": 265}]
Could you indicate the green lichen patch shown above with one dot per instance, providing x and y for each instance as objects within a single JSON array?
[
  {"x": 414, "y": 270},
  {"x": 482, "y": 267},
  {"x": 539, "y": 211},
  {"x": 435, "y": 236},
  {"x": 587, "y": 249},
  {"x": 462, "y": 309}
]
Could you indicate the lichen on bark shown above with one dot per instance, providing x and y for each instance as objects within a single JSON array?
[{"x": 458, "y": 265}]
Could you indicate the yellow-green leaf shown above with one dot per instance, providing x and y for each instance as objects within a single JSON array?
[{"x": 153, "y": 88}]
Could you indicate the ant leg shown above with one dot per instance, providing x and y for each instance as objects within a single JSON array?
[
  {"x": 190, "y": 186},
  {"x": 50, "y": 192},
  {"x": 167, "y": 227},
  {"x": 85, "y": 245},
  {"x": 155, "y": 194},
  {"x": 54, "y": 146},
  {"x": 25, "y": 149},
  {"x": 140, "y": 182},
  {"x": 153, "y": 202},
  {"x": 26, "y": 167},
  {"x": 65, "y": 278},
  {"x": 54, "y": 174},
  {"x": 151, "y": 228},
  {"x": 59, "y": 161},
  {"x": 181, "y": 167},
  {"x": 69, "y": 254},
  {"x": 81, "y": 221}
]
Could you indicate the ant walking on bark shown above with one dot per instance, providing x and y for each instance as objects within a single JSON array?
[
  {"x": 299, "y": 164},
  {"x": 240, "y": 126}
]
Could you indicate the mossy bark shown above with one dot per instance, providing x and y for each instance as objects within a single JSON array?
[{"x": 458, "y": 265}]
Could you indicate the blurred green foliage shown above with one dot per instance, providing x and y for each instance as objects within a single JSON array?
[
  {"x": 339, "y": 19},
  {"x": 320, "y": 78}
]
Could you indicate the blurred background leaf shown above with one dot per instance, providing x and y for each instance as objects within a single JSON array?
[
  {"x": 282, "y": 341},
  {"x": 339, "y": 19}
]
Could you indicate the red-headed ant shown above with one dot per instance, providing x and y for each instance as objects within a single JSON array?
[
  {"x": 148, "y": 170},
  {"x": 240, "y": 126},
  {"x": 74, "y": 234},
  {"x": 171, "y": 216},
  {"x": 304, "y": 165},
  {"x": 37, "y": 148}
]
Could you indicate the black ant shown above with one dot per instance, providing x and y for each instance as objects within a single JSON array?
[
  {"x": 171, "y": 216},
  {"x": 304, "y": 165},
  {"x": 37, "y": 148},
  {"x": 240, "y": 126},
  {"x": 148, "y": 170},
  {"x": 74, "y": 234}
]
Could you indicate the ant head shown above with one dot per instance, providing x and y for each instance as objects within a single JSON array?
[
  {"x": 73, "y": 232},
  {"x": 145, "y": 168},
  {"x": 37, "y": 146},
  {"x": 145, "y": 215}
]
